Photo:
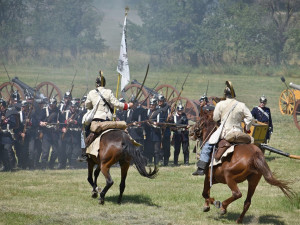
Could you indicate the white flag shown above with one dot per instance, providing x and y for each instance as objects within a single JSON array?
[{"x": 123, "y": 65}]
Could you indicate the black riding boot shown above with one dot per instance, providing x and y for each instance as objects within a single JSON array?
[
  {"x": 202, "y": 166},
  {"x": 83, "y": 156}
]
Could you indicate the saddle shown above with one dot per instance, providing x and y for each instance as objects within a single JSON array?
[
  {"x": 98, "y": 127},
  {"x": 223, "y": 145}
]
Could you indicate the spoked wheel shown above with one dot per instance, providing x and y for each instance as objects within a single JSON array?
[
  {"x": 133, "y": 89},
  {"x": 7, "y": 88},
  {"x": 168, "y": 91},
  {"x": 287, "y": 102},
  {"x": 190, "y": 108},
  {"x": 48, "y": 89},
  {"x": 296, "y": 114}
]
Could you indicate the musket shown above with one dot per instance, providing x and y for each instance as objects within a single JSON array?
[
  {"x": 207, "y": 88},
  {"x": 137, "y": 95},
  {"x": 175, "y": 104},
  {"x": 271, "y": 149},
  {"x": 68, "y": 124},
  {"x": 11, "y": 83},
  {"x": 149, "y": 94},
  {"x": 72, "y": 85},
  {"x": 30, "y": 110}
]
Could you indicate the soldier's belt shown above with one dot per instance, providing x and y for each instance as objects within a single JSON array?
[
  {"x": 74, "y": 129},
  {"x": 50, "y": 126}
]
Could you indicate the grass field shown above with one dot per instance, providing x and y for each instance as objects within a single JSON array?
[{"x": 174, "y": 197}]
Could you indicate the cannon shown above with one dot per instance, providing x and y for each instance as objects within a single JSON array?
[
  {"x": 289, "y": 101},
  {"x": 41, "y": 91}
]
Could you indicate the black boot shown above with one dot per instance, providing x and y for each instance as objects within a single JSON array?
[
  {"x": 202, "y": 166},
  {"x": 83, "y": 156}
]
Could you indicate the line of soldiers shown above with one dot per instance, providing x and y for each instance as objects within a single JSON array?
[
  {"x": 30, "y": 128},
  {"x": 152, "y": 128}
]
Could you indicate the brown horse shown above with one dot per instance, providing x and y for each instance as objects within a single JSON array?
[
  {"x": 247, "y": 162},
  {"x": 116, "y": 147}
]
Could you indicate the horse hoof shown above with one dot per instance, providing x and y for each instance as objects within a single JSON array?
[
  {"x": 206, "y": 208},
  {"x": 223, "y": 212},
  {"x": 101, "y": 201},
  {"x": 94, "y": 194},
  {"x": 217, "y": 204},
  {"x": 239, "y": 221}
]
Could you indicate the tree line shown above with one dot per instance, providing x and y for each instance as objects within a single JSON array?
[
  {"x": 191, "y": 32},
  {"x": 218, "y": 31},
  {"x": 29, "y": 27}
]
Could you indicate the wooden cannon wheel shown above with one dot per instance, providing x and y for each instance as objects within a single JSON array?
[
  {"x": 296, "y": 114},
  {"x": 9, "y": 87},
  {"x": 190, "y": 108},
  {"x": 168, "y": 91},
  {"x": 48, "y": 89},
  {"x": 132, "y": 90},
  {"x": 287, "y": 102}
]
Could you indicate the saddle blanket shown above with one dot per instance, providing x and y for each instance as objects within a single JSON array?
[
  {"x": 93, "y": 148},
  {"x": 226, "y": 153}
]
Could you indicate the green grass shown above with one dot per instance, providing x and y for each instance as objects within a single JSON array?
[{"x": 174, "y": 197}]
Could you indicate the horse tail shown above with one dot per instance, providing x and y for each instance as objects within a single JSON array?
[
  {"x": 262, "y": 166},
  {"x": 139, "y": 160}
]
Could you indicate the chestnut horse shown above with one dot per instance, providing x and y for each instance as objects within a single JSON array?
[
  {"x": 116, "y": 147},
  {"x": 247, "y": 162}
]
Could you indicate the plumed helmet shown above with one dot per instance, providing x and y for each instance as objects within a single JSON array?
[
  {"x": 121, "y": 100},
  {"x": 52, "y": 101},
  {"x": 15, "y": 96},
  {"x": 180, "y": 107},
  {"x": 153, "y": 101},
  {"x": 160, "y": 97},
  {"x": 263, "y": 99},
  {"x": 229, "y": 91},
  {"x": 203, "y": 98},
  {"x": 68, "y": 95},
  {"x": 24, "y": 103},
  {"x": 100, "y": 80},
  {"x": 3, "y": 102}
]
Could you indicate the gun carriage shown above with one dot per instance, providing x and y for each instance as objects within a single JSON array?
[
  {"x": 41, "y": 91},
  {"x": 168, "y": 91},
  {"x": 289, "y": 101}
]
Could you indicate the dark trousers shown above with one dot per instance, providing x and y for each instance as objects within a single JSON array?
[
  {"x": 50, "y": 139},
  {"x": 73, "y": 148},
  {"x": 21, "y": 149},
  {"x": 166, "y": 149},
  {"x": 7, "y": 156},
  {"x": 185, "y": 150}
]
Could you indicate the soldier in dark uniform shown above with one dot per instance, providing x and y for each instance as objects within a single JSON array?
[
  {"x": 181, "y": 135},
  {"x": 153, "y": 134},
  {"x": 263, "y": 114},
  {"x": 37, "y": 114},
  {"x": 71, "y": 135},
  {"x": 50, "y": 128},
  {"x": 64, "y": 104},
  {"x": 134, "y": 117},
  {"x": 164, "y": 111},
  {"x": 8, "y": 123}
]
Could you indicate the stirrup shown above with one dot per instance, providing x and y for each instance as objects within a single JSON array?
[
  {"x": 83, "y": 158},
  {"x": 198, "y": 172}
]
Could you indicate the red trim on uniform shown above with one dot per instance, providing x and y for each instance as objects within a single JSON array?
[{"x": 125, "y": 106}]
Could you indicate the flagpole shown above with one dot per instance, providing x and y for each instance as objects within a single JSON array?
[{"x": 119, "y": 76}]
